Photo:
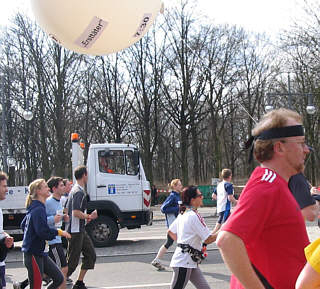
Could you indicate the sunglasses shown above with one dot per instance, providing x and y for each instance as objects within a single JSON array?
[{"x": 199, "y": 195}]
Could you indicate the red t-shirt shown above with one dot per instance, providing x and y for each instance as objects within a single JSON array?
[{"x": 268, "y": 220}]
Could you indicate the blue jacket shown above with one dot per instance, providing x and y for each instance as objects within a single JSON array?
[
  {"x": 35, "y": 229},
  {"x": 171, "y": 204}
]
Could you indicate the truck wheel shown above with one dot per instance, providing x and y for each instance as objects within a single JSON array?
[{"x": 103, "y": 231}]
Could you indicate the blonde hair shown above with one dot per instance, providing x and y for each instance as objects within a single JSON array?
[
  {"x": 226, "y": 173},
  {"x": 33, "y": 189},
  {"x": 174, "y": 183}
]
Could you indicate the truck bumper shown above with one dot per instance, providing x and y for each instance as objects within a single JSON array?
[
  {"x": 12, "y": 221},
  {"x": 136, "y": 219},
  {"x": 14, "y": 231}
]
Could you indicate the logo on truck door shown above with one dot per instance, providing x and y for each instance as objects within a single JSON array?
[
  {"x": 111, "y": 189},
  {"x": 123, "y": 189}
]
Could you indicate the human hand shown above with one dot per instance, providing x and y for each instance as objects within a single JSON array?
[
  {"x": 57, "y": 218},
  {"x": 314, "y": 191},
  {"x": 93, "y": 215},
  {"x": 8, "y": 241},
  {"x": 66, "y": 234},
  {"x": 66, "y": 218}
]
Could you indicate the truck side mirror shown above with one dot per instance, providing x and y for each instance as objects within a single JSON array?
[{"x": 136, "y": 158}]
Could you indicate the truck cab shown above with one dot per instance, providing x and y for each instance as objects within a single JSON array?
[{"x": 117, "y": 188}]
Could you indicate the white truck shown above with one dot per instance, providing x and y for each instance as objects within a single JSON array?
[
  {"x": 13, "y": 209},
  {"x": 117, "y": 188}
]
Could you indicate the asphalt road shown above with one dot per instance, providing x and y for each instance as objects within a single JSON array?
[
  {"x": 127, "y": 264},
  {"x": 135, "y": 271}
]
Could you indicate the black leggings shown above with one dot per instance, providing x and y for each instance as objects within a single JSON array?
[
  {"x": 169, "y": 242},
  {"x": 45, "y": 265},
  {"x": 181, "y": 276}
]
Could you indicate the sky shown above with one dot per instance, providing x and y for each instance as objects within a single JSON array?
[
  {"x": 255, "y": 15},
  {"x": 268, "y": 16}
]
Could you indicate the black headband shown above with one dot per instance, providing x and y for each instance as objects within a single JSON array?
[
  {"x": 281, "y": 132},
  {"x": 274, "y": 133}
]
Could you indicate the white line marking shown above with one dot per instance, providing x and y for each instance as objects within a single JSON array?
[
  {"x": 161, "y": 237},
  {"x": 138, "y": 286}
]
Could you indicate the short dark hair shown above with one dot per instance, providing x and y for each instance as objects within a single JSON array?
[
  {"x": 53, "y": 182},
  {"x": 80, "y": 171},
  {"x": 3, "y": 176},
  {"x": 189, "y": 193}
]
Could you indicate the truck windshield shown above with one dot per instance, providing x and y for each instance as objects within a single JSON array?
[{"x": 118, "y": 162}]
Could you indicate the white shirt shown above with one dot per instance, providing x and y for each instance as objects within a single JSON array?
[
  {"x": 63, "y": 201},
  {"x": 222, "y": 197},
  {"x": 192, "y": 230},
  {"x": 2, "y": 234}
]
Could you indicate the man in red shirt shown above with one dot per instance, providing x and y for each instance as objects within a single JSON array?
[{"x": 263, "y": 241}]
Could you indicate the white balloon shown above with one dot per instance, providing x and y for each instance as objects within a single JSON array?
[{"x": 96, "y": 27}]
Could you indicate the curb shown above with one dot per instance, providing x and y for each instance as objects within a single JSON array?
[
  {"x": 162, "y": 218},
  {"x": 118, "y": 255}
]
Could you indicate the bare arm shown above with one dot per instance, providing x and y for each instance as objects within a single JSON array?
[
  {"x": 79, "y": 214},
  {"x": 235, "y": 256},
  {"x": 308, "y": 278},
  {"x": 173, "y": 236},
  {"x": 232, "y": 199},
  {"x": 310, "y": 213},
  {"x": 211, "y": 238}
]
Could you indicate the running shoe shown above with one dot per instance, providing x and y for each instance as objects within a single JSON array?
[
  {"x": 46, "y": 281},
  {"x": 69, "y": 281},
  {"x": 79, "y": 286},
  {"x": 16, "y": 285},
  {"x": 156, "y": 263}
]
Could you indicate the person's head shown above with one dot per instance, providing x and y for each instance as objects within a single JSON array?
[
  {"x": 56, "y": 185},
  {"x": 226, "y": 174},
  {"x": 81, "y": 174},
  {"x": 103, "y": 162},
  {"x": 280, "y": 133},
  {"x": 191, "y": 196},
  {"x": 3, "y": 185},
  {"x": 38, "y": 190},
  {"x": 175, "y": 185},
  {"x": 67, "y": 186}
]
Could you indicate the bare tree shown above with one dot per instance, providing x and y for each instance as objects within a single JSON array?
[
  {"x": 111, "y": 97},
  {"x": 183, "y": 87},
  {"x": 146, "y": 72}
]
